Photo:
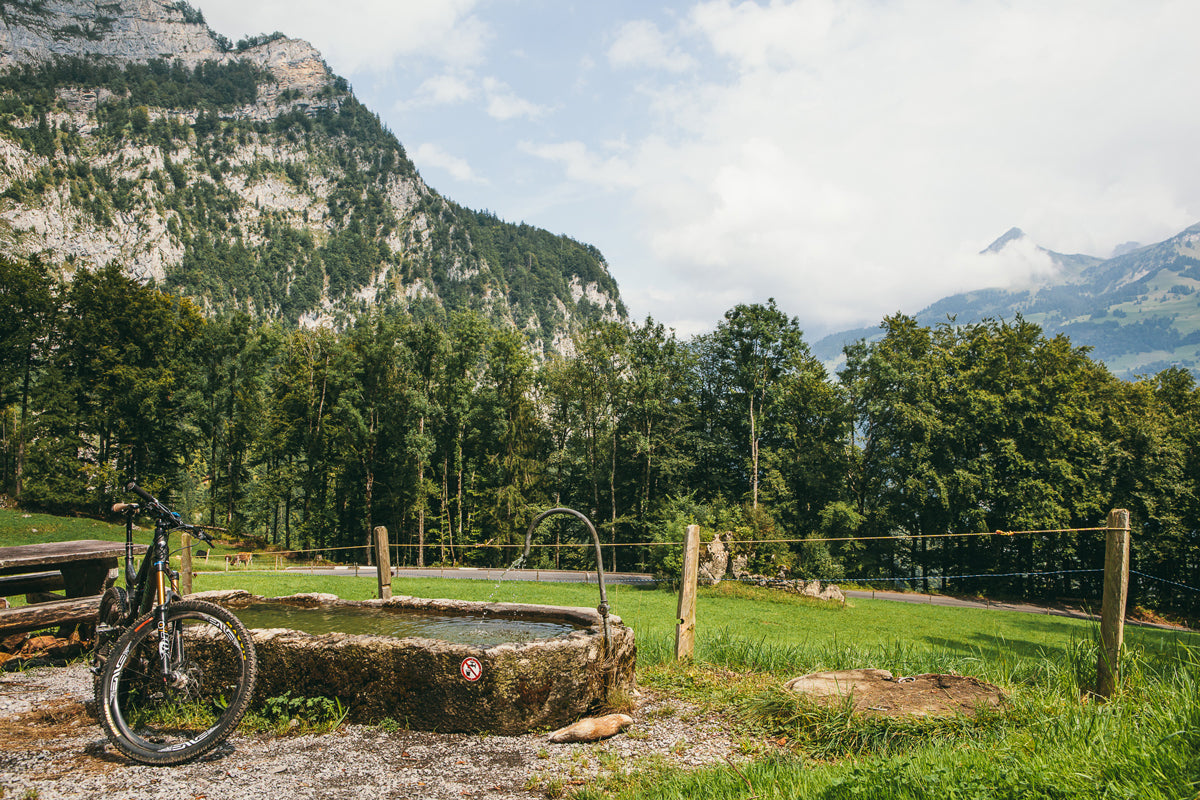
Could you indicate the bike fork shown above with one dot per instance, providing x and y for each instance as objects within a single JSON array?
[{"x": 160, "y": 613}]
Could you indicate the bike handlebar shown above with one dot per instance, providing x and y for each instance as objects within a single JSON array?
[{"x": 162, "y": 512}]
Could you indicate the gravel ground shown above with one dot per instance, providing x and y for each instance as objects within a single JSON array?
[{"x": 50, "y": 748}]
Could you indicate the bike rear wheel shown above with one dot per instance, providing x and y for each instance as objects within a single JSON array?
[{"x": 157, "y": 719}]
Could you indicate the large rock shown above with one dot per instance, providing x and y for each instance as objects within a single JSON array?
[
  {"x": 714, "y": 561},
  {"x": 878, "y": 692}
]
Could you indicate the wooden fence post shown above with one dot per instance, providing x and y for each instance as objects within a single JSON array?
[
  {"x": 685, "y": 629},
  {"x": 383, "y": 560},
  {"x": 1112, "y": 612},
  {"x": 185, "y": 564}
]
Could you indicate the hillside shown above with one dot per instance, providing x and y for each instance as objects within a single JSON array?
[
  {"x": 248, "y": 176},
  {"x": 1139, "y": 311}
]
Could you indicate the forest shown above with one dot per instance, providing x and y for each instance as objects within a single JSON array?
[{"x": 956, "y": 458}]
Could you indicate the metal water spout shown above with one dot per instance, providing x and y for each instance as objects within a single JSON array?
[{"x": 603, "y": 607}]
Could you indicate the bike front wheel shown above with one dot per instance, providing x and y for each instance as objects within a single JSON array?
[{"x": 168, "y": 717}]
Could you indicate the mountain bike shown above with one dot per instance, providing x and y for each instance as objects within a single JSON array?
[{"x": 173, "y": 676}]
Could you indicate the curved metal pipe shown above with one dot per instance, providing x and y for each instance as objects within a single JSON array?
[{"x": 603, "y": 607}]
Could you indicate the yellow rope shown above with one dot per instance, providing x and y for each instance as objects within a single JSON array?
[{"x": 488, "y": 545}]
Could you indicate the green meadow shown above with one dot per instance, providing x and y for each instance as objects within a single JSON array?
[{"x": 1050, "y": 740}]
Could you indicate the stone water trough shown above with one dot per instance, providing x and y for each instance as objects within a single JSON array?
[{"x": 436, "y": 685}]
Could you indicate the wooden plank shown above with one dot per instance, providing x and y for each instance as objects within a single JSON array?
[
  {"x": 47, "y": 615},
  {"x": 12, "y": 585},
  {"x": 84, "y": 578},
  {"x": 20, "y": 558}
]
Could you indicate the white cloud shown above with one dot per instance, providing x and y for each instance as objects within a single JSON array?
[
  {"x": 360, "y": 35},
  {"x": 1020, "y": 264},
  {"x": 432, "y": 155},
  {"x": 850, "y": 153},
  {"x": 504, "y": 104},
  {"x": 581, "y": 164},
  {"x": 640, "y": 43},
  {"x": 446, "y": 89},
  {"x": 779, "y": 34}
]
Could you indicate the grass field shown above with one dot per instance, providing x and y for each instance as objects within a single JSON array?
[{"x": 1049, "y": 741}]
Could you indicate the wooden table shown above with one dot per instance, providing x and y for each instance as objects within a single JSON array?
[{"x": 82, "y": 569}]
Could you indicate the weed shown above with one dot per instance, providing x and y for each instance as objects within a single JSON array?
[
  {"x": 286, "y": 713},
  {"x": 609, "y": 760},
  {"x": 620, "y": 700}
]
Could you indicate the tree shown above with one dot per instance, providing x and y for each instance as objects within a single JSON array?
[
  {"x": 754, "y": 348},
  {"x": 27, "y": 306}
]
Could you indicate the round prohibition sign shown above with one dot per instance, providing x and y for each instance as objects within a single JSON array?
[{"x": 471, "y": 669}]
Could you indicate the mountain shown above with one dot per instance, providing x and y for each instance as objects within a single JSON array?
[
  {"x": 248, "y": 176},
  {"x": 1139, "y": 311}
]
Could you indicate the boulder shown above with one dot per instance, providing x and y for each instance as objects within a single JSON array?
[
  {"x": 714, "y": 561},
  {"x": 878, "y": 692}
]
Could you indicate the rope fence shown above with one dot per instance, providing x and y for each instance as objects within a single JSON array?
[
  {"x": 398, "y": 547},
  {"x": 489, "y": 545}
]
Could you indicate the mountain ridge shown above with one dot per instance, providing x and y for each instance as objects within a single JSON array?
[
  {"x": 1139, "y": 310},
  {"x": 248, "y": 176}
]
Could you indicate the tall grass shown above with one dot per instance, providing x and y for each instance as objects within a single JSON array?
[{"x": 1048, "y": 741}]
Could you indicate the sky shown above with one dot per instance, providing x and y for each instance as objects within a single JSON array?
[{"x": 849, "y": 158}]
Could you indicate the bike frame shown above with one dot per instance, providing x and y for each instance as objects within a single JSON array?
[
  {"x": 154, "y": 584},
  {"x": 156, "y": 562}
]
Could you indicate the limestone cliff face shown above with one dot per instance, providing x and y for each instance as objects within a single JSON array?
[
  {"x": 138, "y": 31},
  {"x": 129, "y": 30},
  {"x": 289, "y": 200}
]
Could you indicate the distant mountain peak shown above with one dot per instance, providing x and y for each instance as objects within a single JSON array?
[
  {"x": 1011, "y": 235},
  {"x": 1139, "y": 310}
]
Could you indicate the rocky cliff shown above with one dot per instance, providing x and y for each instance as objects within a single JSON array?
[{"x": 247, "y": 176}]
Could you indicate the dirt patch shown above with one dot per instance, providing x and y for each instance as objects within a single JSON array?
[
  {"x": 878, "y": 692},
  {"x": 50, "y": 745}
]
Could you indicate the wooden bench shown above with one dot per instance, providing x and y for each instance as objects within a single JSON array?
[
  {"x": 34, "y": 583},
  {"x": 82, "y": 569}
]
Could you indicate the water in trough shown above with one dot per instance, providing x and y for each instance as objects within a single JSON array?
[{"x": 481, "y": 629}]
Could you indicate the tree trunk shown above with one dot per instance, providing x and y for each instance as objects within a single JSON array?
[
  {"x": 445, "y": 516},
  {"x": 21, "y": 429},
  {"x": 421, "y": 500},
  {"x": 753, "y": 455},
  {"x": 612, "y": 496}
]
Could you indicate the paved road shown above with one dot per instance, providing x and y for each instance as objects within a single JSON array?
[
  {"x": 955, "y": 602},
  {"x": 487, "y": 574}
]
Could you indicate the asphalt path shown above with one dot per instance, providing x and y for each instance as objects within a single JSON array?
[{"x": 487, "y": 574}]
